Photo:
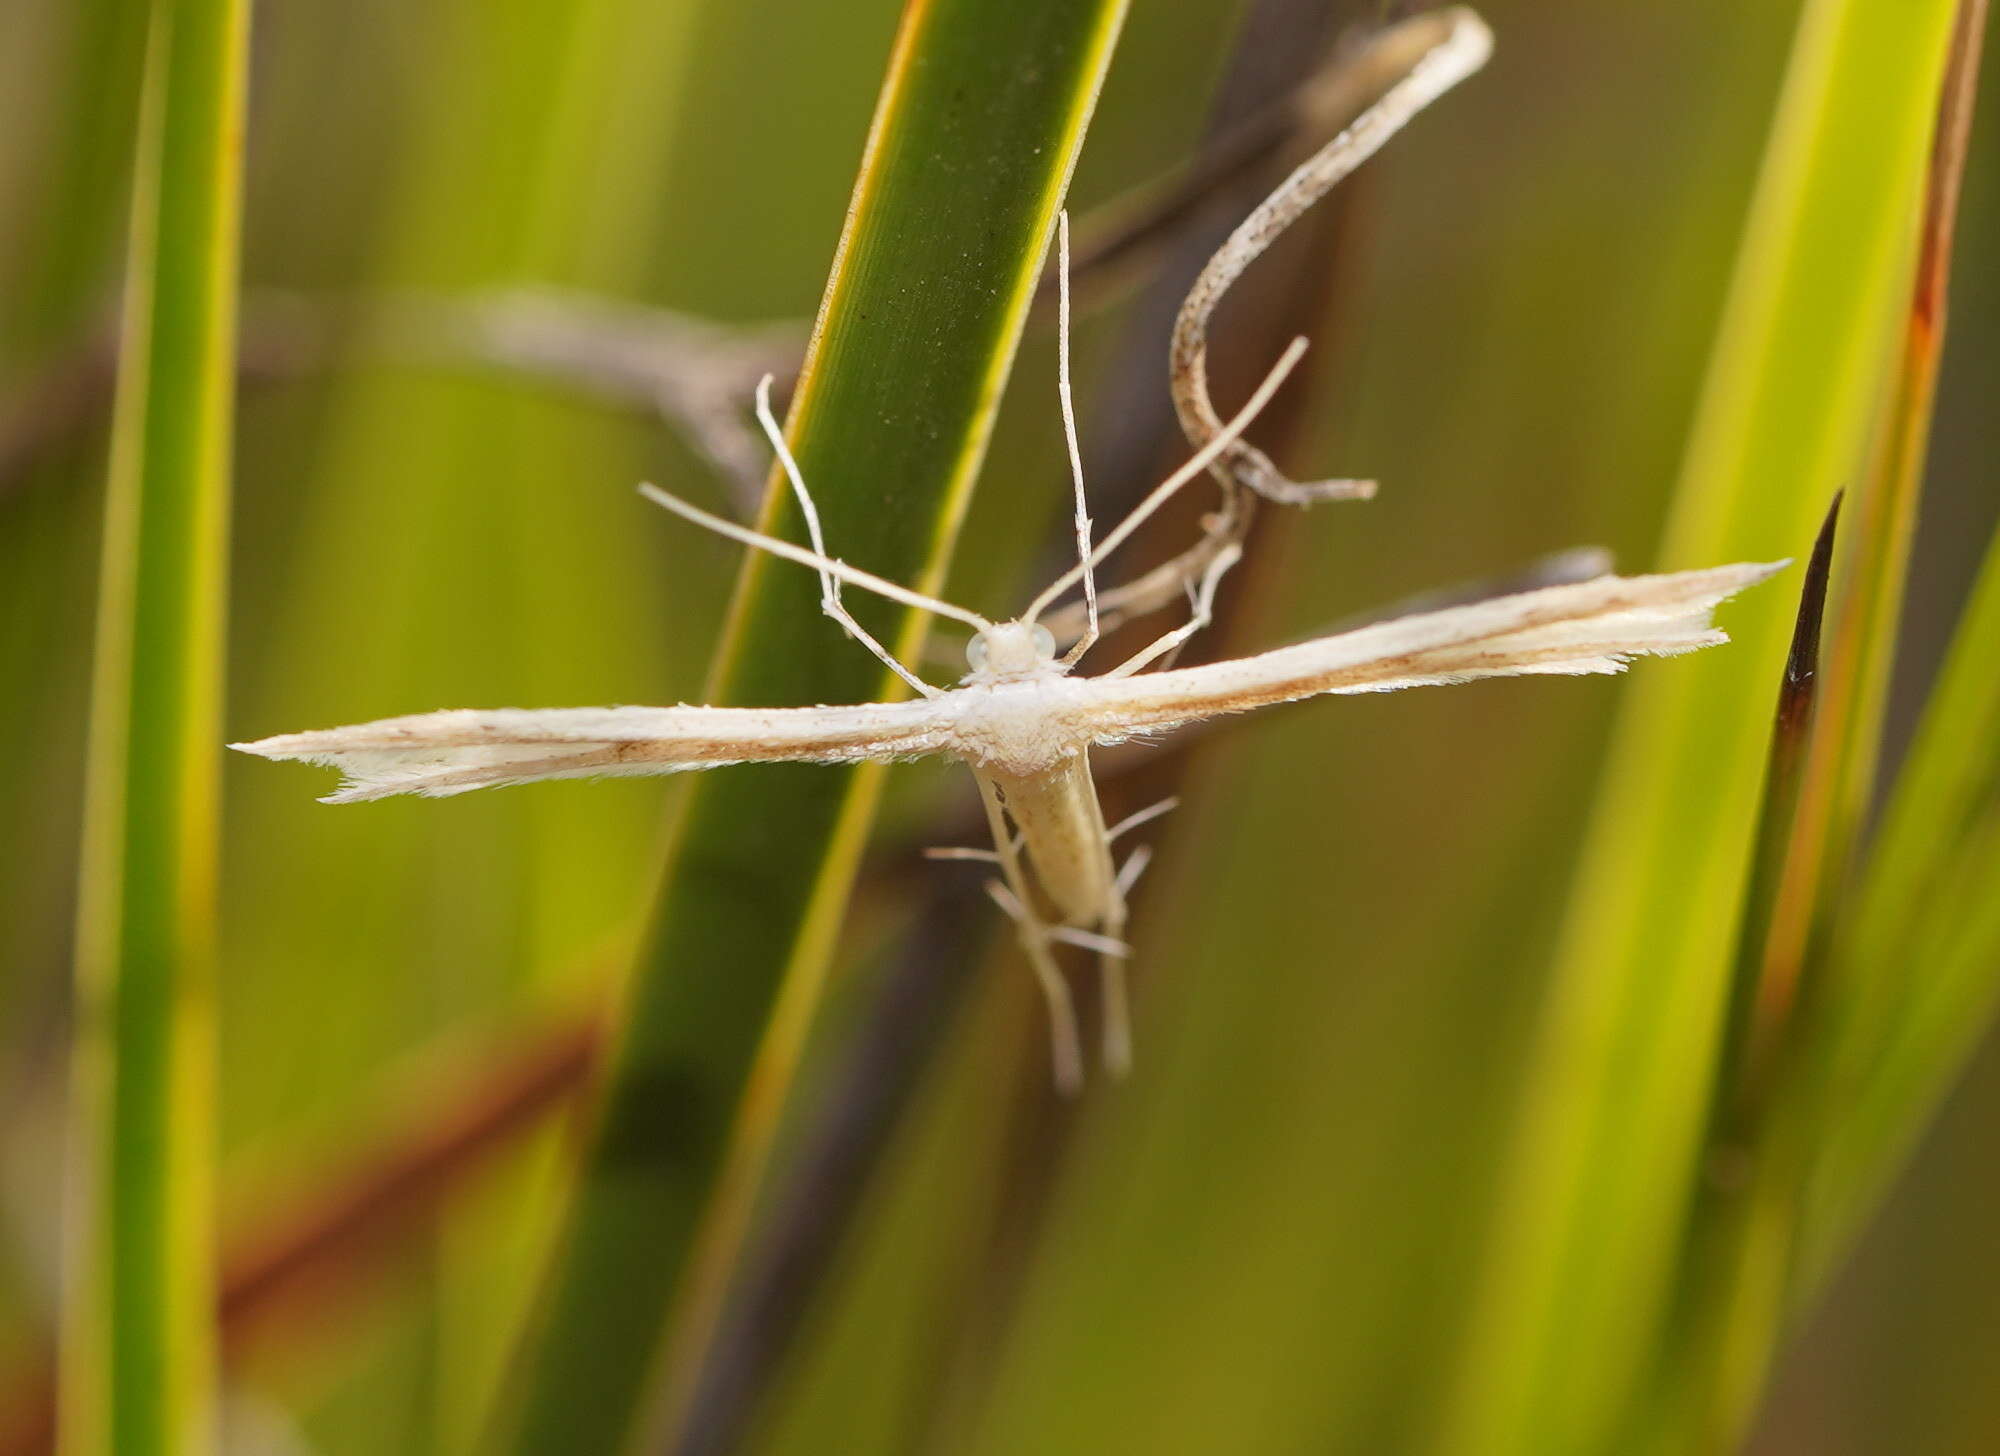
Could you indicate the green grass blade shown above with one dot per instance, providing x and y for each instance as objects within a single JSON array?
[
  {"x": 1951, "y": 942},
  {"x": 76, "y": 219},
  {"x": 974, "y": 138},
  {"x": 138, "y": 1348},
  {"x": 1731, "y": 1292},
  {"x": 1604, "y": 1157},
  {"x": 1914, "y": 991},
  {"x": 1864, "y": 630},
  {"x": 1924, "y": 938},
  {"x": 1740, "y": 1283}
]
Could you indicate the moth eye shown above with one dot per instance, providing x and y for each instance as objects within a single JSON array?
[
  {"x": 1045, "y": 641},
  {"x": 975, "y": 652}
]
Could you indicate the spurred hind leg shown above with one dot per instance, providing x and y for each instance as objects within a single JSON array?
[
  {"x": 1012, "y": 897},
  {"x": 1111, "y": 968},
  {"x": 1066, "y": 1049}
]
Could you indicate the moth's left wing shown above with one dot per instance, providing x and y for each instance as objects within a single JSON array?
[
  {"x": 436, "y": 754},
  {"x": 1585, "y": 627}
]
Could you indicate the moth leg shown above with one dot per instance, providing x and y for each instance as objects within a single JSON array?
[
  {"x": 1132, "y": 821},
  {"x": 1204, "y": 613},
  {"x": 992, "y": 856},
  {"x": 1155, "y": 591},
  {"x": 1111, "y": 969},
  {"x": 1173, "y": 654},
  {"x": 1134, "y": 866},
  {"x": 1083, "y": 939},
  {"x": 1012, "y": 897},
  {"x": 1112, "y": 954},
  {"x": 1066, "y": 1048},
  {"x": 954, "y": 852},
  {"x": 1117, "y": 1016},
  {"x": 1112, "y": 989},
  {"x": 829, "y": 585}
]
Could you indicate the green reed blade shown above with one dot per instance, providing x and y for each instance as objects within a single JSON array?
[
  {"x": 977, "y": 129},
  {"x": 1912, "y": 972},
  {"x": 138, "y": 1344},
  {"x": 1731, "y": 1292},
  {"x": 1604, "y": 1158},
  {"x": 1925, "y": 937},
  {"x": 1796, "y": 998}
]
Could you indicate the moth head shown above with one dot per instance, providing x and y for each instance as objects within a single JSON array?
[{"x": 1010, "y": 650}]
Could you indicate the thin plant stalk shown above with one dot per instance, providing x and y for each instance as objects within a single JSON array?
[{"x": 138, "y": 1347}]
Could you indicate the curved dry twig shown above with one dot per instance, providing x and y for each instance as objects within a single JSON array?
[
  {"x": 1460, "y": 47},
  {"x": 1365, "y": 99}
]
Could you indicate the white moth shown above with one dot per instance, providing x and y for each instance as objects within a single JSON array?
[
  {"x": 1024, "y": 724},
  {"x": 1020, "y": 719}
]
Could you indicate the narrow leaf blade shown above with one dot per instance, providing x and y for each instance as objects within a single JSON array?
[
  {"x": 978, "y": 126},
  {"x": 1604, "y": 1156},
  {"x": 138, "y": 1348}
]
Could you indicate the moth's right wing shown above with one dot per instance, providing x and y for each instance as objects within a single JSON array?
[
  {"x": 437, "y": 754},
  {"x": 1582, "y": 627}
]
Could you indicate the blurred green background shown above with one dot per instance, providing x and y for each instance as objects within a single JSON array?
[{"x": 1263, "y": 1242}]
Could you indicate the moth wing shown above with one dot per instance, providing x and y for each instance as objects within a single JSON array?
[
  {"x": 437, "y": 754},
  {"x": 1584, "y": 627}
]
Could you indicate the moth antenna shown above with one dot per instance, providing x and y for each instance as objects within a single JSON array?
[
  {"x": 776, "y": 435},
  {"x": 829, "y": 584},
  {"x": 1166, "y": 489},
  {"x": 852, "y": 575},
  {"x": 1084, "y": 643}
]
